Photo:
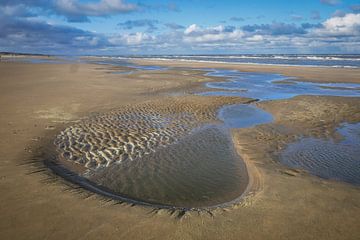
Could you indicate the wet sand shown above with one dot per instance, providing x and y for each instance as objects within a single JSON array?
[
  {"x": 169, "y": 152},
  {"x": 40, "y": 100}
]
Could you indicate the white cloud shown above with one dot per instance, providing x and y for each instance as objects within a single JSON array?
[
  {"x": 196, "y": 34},
  {"x": 348, "y": 25},
  {"x": 191, "y": 28},
  {"x": 131, "y": 39},
  {"x": 255, "y": 38},
  {"x": 92, "y": 41}
]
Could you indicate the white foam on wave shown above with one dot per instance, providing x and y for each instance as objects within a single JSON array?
[
  {"x": 338, "y": 61},
  {"x": 242, "y": 63}
]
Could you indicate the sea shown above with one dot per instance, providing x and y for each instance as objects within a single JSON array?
[{"x": 328, "y": 60}]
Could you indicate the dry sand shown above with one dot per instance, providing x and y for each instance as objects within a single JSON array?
[{"x": 38, "y": 100}]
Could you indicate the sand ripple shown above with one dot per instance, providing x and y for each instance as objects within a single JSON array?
[
  {"x": 132, "y": 132},
  {"x": 328, "y": 158},
  {"x": 164, "y": 152}
]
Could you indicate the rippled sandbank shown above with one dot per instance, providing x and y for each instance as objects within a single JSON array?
[{"x": 331, "y": 159}]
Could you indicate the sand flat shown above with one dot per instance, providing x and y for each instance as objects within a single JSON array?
[
  {"x": 38, "y": 100},
  {"x": 304, "y": 73}
]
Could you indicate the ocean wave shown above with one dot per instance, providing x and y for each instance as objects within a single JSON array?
[
  {"x": 248, "y": 63},
  {"x": 264, "y": 57},
  {"x": 333, "y": 61}
]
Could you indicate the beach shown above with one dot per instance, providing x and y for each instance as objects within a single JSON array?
[
  {"x": 305, "y": 73},
  {"x": 41, "y": 100}
]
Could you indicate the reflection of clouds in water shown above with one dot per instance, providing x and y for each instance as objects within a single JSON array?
[
  {"x": 267, "y": 86},
  {"x": 324, "y": 158},
  {"x": 243, "y": 116}
]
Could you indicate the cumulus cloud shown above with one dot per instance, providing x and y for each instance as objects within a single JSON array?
[
  {"x": 39, "y": 36},
  {"x": 21, "y": 30},
  {"x": 197, "y": 34},
  {"x": 131, "y": 39},
  {"x": 192, "y": 28},
  {"x": 137, "y": 38},
  {"x": 348, "y": 25},
  {"x": 255, "y": 38}
]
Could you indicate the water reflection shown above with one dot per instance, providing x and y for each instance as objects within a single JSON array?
[{"x": 268, "y": 86}]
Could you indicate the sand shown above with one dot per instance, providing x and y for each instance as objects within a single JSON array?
[{"x": 39, "y": 100}]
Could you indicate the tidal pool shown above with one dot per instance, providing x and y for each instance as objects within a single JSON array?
[
  {"x": 325, "y": 158},
  {"x": 200, "y": 170},
  {"x": 269, "y": 86}
]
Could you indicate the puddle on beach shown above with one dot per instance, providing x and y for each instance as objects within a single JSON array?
[
  {"x": 243, "y": 116},
  {"x": 330, "y": 159},
  {"x": 148, "y": 157},
  {"x": 200, "y": 170}
]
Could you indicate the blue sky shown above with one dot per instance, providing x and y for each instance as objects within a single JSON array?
[{"x": 119, "y": 27}]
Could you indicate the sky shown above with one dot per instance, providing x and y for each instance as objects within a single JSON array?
[{"x": 123, "y": 27}]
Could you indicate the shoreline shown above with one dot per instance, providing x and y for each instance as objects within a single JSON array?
[
  {"x": 233, "y": 63},
  {"x": 312, "y": 74}
]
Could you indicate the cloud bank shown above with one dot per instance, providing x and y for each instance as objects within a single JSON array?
[{"x": 22, "y": 30}]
